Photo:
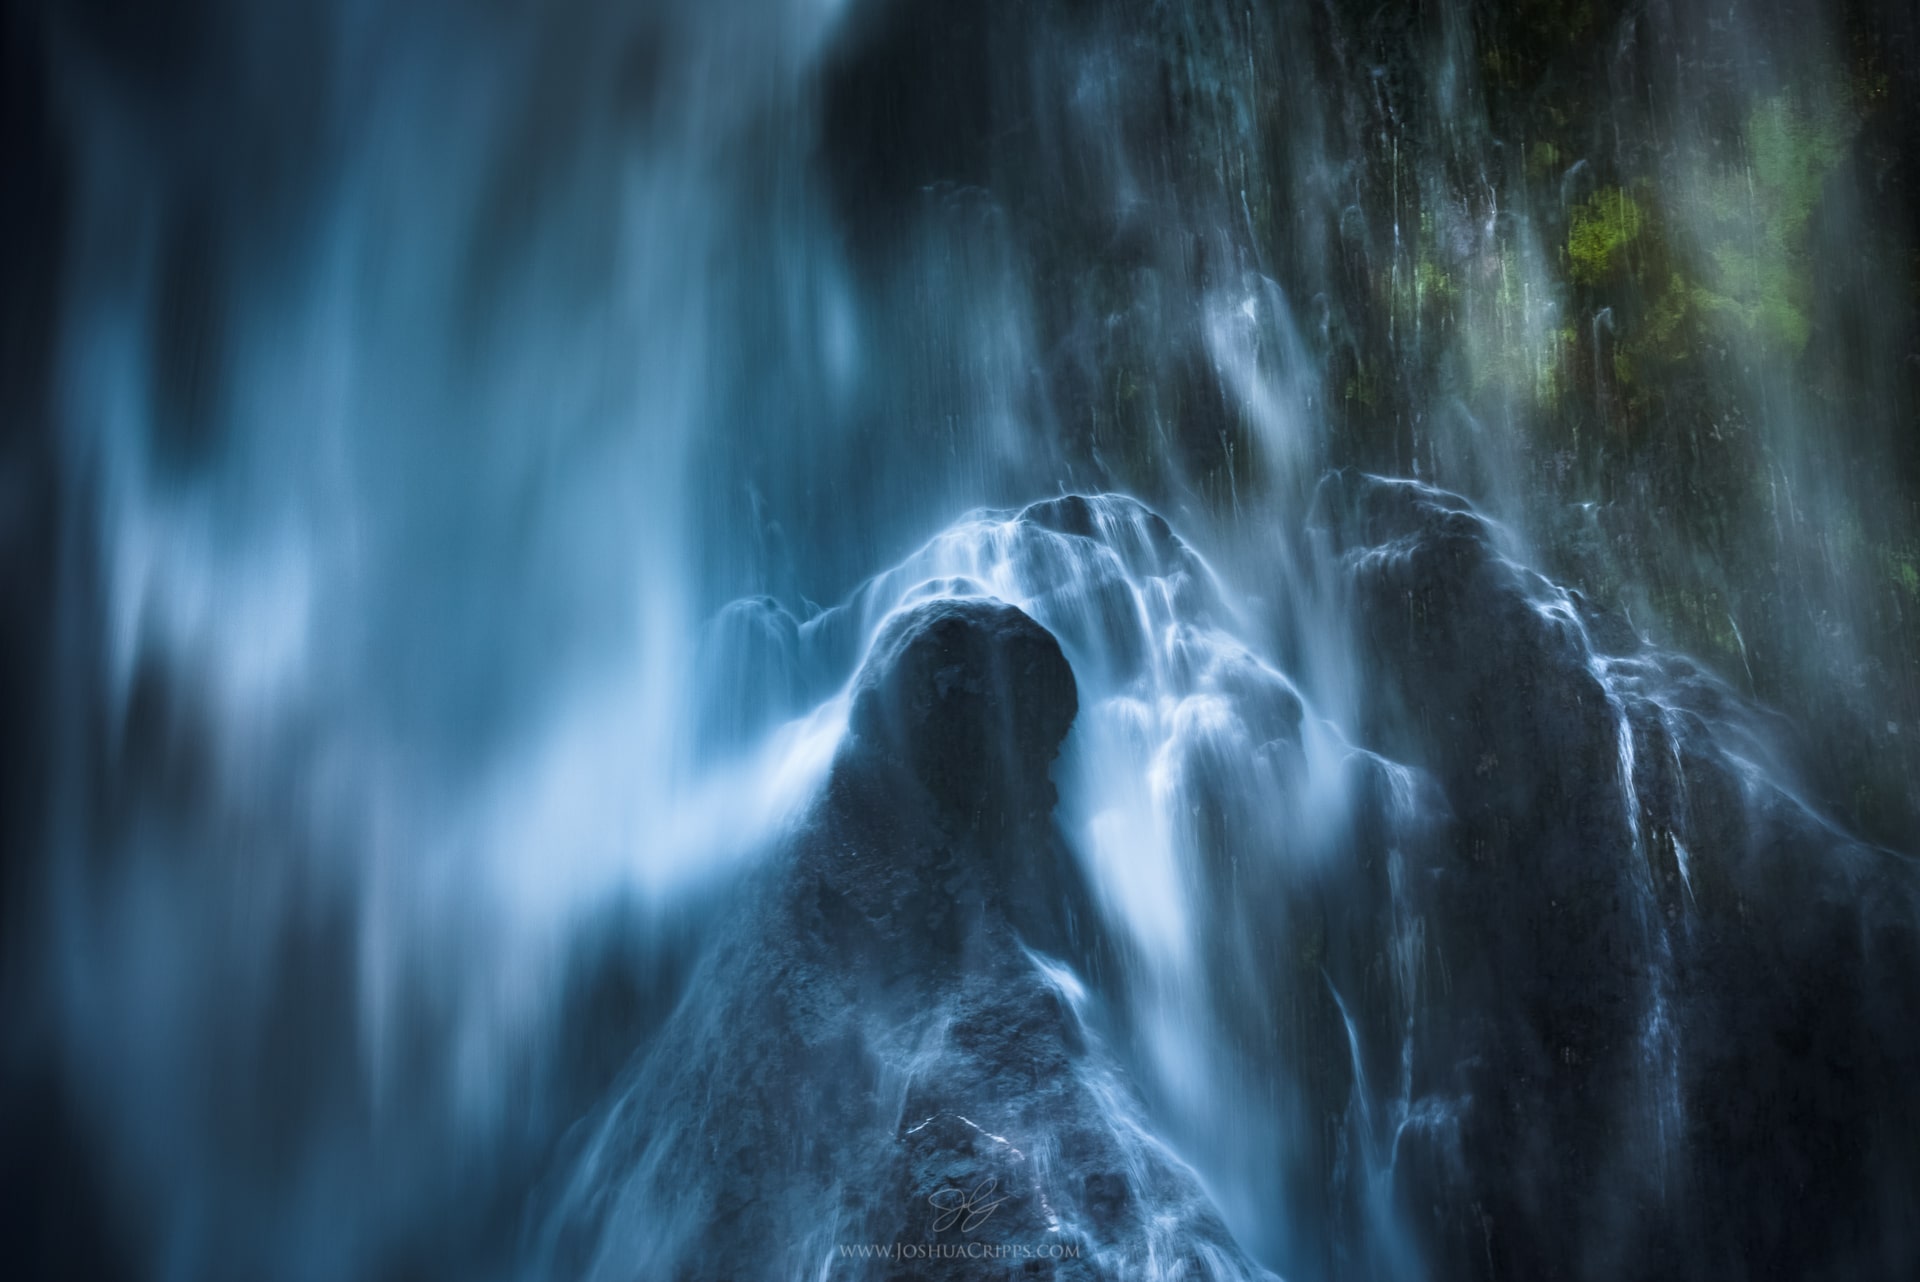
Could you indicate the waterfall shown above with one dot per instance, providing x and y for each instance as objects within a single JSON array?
[{"x": 474, "y": 455}]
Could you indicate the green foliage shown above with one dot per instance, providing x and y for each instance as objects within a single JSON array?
[
  {"x": 1903, "y": 567},
  {"x": 1607, "y": 223},
  {"x": 1509, "y": 330},
  {"x": 1431, "y": 281},
  {"x": 1755, "y": 220},
  {"x": 1361, "y": 389},
  {"x": 1660, "y": 338}
]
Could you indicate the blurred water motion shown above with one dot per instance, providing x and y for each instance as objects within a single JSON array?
[{"x": 458, "y": 456}]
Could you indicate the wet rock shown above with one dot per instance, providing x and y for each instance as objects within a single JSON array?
[
  {"x": 890, "y": 1048},
  {"x": 1672, "y": 988},
  {"x": 971, "y": 698}
]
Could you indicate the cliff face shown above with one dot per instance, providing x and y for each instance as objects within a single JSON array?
[
  {"x": 1575, "y": 985},
  {"x": 1675, "y": 991},
  {"x": 1640, "y": 280}
]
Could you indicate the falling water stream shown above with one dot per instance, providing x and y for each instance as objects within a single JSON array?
[{"x": 489, "y": 438}]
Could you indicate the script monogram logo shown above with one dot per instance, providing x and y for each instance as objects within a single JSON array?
[{"x": 967, "y": 1209}]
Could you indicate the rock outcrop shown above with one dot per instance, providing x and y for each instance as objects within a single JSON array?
[
  {"x": 888, "y": 1049},
  {"x": 1681, "y": 1002}
]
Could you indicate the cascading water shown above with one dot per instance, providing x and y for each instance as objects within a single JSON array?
[
  {"x": 461, "y": 844},
  {"x": 1199, "y": 792}
]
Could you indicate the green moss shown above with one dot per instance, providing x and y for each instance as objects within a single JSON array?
[
  {"x": 1667, "y": 315},
  {"x": 1657, "y": 341},
  {"x": 1431, "y": 281},
  {"x": 1755, "y": 220},
  {"x": 1360, "y": 389},
  {"x": 1607, "y": 223},
  {"x": 1497, "y": 65},
  {"x": 1903, "y": 566},
  {"x": 1792, "y": 153},
  {"x": 1508, "y": 333}
]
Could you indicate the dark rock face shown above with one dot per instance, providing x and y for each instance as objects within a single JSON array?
[
  {"x": 1682, "y": 1003},
  {"x": 881, "y": 1053},
  {"x": 1576, "y": 985},
  {"x": 971, "y": 698}
]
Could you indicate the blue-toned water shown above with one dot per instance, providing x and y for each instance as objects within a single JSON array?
[{"x": 484, "y": 443}]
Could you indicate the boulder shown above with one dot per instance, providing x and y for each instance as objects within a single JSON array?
[
  {"x": 1676, "y": 995},
  {"x": 970, "y": 698},
  {"x": 890, "y": 1046}
]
